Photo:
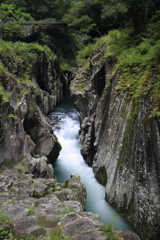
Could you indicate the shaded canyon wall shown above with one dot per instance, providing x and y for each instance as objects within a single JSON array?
[
  {"x": 27, "y": 141},
  {"x": 122, "y": 144}
]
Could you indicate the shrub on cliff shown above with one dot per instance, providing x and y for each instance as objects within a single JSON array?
[
  {"x": 136, "y": 64},
  {"x": 17, "y": 62},
  {"x": 12, "y": 32}
]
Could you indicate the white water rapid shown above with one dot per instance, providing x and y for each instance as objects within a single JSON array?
[{"x": 70, "y": 161}]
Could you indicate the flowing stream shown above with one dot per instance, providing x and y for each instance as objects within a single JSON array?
[{"x": 70, "y": 161}]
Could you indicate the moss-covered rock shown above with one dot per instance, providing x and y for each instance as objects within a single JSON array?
[{"x": 101, "y": 175}]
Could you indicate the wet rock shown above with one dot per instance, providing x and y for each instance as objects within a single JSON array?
[
  {"x": 74, "y": 190},
  {"x": 40, "y": 132}
]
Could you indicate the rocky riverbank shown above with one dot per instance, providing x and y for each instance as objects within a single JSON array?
[{"x": 44, "y": 209}]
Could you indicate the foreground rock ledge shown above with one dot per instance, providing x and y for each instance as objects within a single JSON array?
[{"x": 42, "y": 207}]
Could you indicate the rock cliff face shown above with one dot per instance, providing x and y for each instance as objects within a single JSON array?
[
  {"x": 122, "y": 144},
  {"x": 26, "y": 138},
  {"x": 33, "y": 204}
]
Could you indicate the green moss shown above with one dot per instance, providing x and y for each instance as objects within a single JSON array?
[
  {"x": 5, "y": 226},
  {"x": 20, "y": 57},
  {"x": 66, "y": 209},
  {"x": 44, "y": 222},
  {"x": 109, "y": 231},
  {"x": 136, "y": 65},
  {"x": 31, "y": 211},
  {"x": 11, "y": 116},
  {"x": 96, "y": 218},
  {"x": 57, "y": 235},
  {"x": 28, "y": 238},
  {"x": 121, "y": 167},
  {"x": 101, "y": 176}
]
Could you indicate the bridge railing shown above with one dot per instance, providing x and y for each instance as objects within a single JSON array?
[
  {"x": 40, "y": 22},
  {"x": 33, "y": 22}
]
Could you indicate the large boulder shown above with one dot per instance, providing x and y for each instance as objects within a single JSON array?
[{"x": 72, "y": 189}]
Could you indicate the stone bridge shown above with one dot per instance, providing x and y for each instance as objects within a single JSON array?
[{"x": 29, "y": 28}]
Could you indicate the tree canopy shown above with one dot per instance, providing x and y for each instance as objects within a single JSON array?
[
  {"x": 87, "y": 19},
  {"x": 94, "y": 17}
]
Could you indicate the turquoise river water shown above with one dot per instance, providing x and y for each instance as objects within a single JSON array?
[{"x": 70, "y": 161}]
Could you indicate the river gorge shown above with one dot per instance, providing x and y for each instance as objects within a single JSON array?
[
  {"x": 119, "y": 143},
  {"x": 70, "y": 161}
]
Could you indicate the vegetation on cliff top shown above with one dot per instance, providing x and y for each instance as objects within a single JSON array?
[
  {"x": 17, "y": 61},
  {"x": 138, "y": 65}
]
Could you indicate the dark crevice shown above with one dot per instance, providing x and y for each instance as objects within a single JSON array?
[{"x": 99, "y": 81}]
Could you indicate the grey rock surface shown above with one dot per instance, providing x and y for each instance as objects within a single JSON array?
[
  {"x": 122, "y": 144},
  {"x": 38, "y": 212}
]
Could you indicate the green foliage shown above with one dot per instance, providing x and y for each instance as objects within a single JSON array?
[
  {"x": 85, "y": 52},
  {"x": 94, "y": 50},
  {"x": 30, "y": 211},
  {"x": 118, "y": 41},
  {"x": 153, "y": 27},
  {"x": 121, "y": 167},
  {"x": 136, "y": 63},
  {"x": 28, "y": 238},
  {"x": 13, "y": 12},
  {"x": 78, "y": 17},
  {"x": 4, "y": 94},
  {"x": 96, "y": 218},
  {"x": 66, "y": 209},
  {"x": 19, "y": 57},
  {"x": 114, "y": 9},
  {"x": 5, "y": 226},
  {"x": 57, "y": 235},
  {"x": 12, "y": 32},
  {"x": 137, "y": 67},
  {"x": 109, "y": 231}
]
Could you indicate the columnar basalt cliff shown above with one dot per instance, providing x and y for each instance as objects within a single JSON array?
[
  {"x": 26, "y": 137},
  {"x": 121, "y": 141}
]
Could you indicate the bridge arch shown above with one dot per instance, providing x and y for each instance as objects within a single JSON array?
[{"x": 28, "y": 28}]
